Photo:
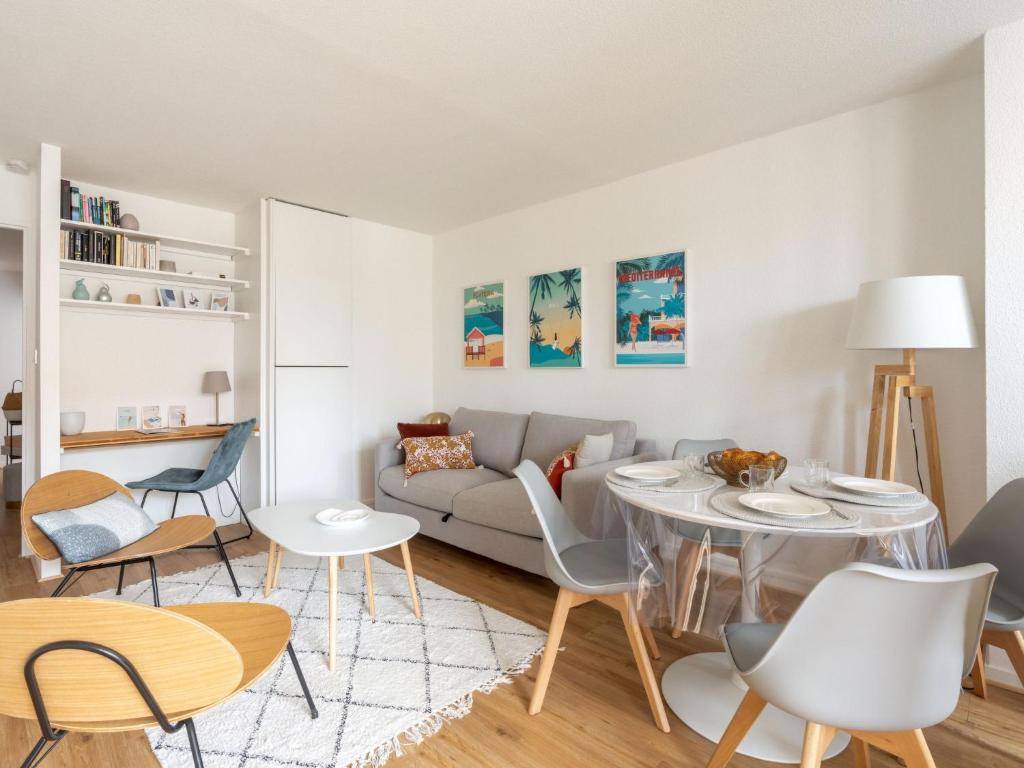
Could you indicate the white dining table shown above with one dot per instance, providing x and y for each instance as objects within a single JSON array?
[{"x": 702, "y": 689}]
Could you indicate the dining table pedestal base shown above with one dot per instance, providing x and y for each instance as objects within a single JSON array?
[{"x": 704, "y": 692}]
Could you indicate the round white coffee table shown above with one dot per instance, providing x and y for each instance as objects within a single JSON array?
[{"x": 294, "y": 527}]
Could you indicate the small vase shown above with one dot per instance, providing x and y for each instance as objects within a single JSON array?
[
  {"x": 81, "y": 292},
  {"x": 103, "y": 294}
]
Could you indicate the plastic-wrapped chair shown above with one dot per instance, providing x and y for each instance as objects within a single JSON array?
[
  {"x": 877, "y": 652},
  {"x": 585, "y": 570},
  {"x": 995, "y": 536}
]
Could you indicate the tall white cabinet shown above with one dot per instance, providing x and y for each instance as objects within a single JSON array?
[{"x": 309, "y": 328}]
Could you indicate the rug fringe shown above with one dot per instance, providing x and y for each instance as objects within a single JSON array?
[{"x": 377, "y": 756}]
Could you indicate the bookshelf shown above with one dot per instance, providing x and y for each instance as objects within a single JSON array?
[
  {"x": 88, "y": 305},
  {"x": 152, "y": 275},
  {"x": 198, "y": 247}
]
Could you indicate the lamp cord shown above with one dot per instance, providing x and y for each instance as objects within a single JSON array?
[{"x": 913, "y": 432}]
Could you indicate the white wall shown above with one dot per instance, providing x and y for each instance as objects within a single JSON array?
[
  {"x": 1004, "y": 251},
  {"x": 779, "y": 233},
  {"x": 11, "y": 357}
]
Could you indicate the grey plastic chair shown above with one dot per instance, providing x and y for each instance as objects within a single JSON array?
[
  {"x": 179, "y": 480},
  {"x": 585, "y": 570},
  {"x": 877, "y": 652},
  {"x": 996, "y": 536}
]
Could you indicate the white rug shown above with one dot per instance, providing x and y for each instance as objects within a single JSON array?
[{"x": 396, "y": 679}]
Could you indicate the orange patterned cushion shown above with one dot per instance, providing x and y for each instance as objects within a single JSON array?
[
  {"x": 561, "y": 464},
  {"x": 425, "y": 454}
]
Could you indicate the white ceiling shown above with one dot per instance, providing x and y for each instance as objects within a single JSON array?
[{"x": 433, "y": 114}]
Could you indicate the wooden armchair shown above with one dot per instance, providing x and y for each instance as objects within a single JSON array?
[
  {"x": 75, "y": 488},
  {"x": 87, "y": 665}
]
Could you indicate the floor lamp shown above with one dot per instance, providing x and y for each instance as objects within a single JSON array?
[{"x": 908, "y": 313}]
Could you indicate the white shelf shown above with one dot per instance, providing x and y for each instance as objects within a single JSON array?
[
  {"x": 83, "y": 305},
  {"x": 151, "y": 275},
  {"x": 174, "y": 243}
]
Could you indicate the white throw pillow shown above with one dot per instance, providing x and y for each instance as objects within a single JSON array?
[{"x": 594, "y": 449}]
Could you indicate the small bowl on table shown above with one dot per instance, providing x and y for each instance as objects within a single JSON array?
[{"x": 728, "y": 465}]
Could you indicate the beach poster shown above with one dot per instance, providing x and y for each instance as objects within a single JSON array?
[
  {"x": 556, "y": 319},
  {"x": 483, "y": 334},
  {"x": 650, "y": 311}
]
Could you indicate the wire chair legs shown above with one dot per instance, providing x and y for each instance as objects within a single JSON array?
[
  {"x": 302, "y": 682},
  {"x": 70, "y": 577}
]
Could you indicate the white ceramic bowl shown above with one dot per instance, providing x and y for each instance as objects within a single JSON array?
[{"x": 72, "y": 422}]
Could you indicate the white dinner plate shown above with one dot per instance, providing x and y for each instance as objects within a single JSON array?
[
  {"x": 784, "y": 504},
  {"x": 648, "y": 474},
  {"x": 869, "y": 486},
  {"x": 334, "y": 517}
]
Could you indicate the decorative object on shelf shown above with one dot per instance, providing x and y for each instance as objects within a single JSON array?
[
  {"x": 103, "y": 294},
  {"x": 81, "y": 293},
  {"x": 133, "y": 298},
  {"x": 650, "y": 311},
  {"x": 151, "y": 418},
  {"x": 556, "y": 319},
  {"x": 176, "y": 416},
  {"x": 72, "y": 422},
  {"x": 219, "y": 300},
  {"x": 909, "y": 313},
  {"x": 215, "y": 382},
  {"x": 483, "y": 308},
  {"x": 168, "y": 297},
  {"x": 437, "y": 417},
  {"x": 167, "y": 265},
  {"x": 128, "y": 221},
  {"x": 191, "y": 299},
  {"x": 127, "y": 417},
  {"x": 12, "y": 402}
]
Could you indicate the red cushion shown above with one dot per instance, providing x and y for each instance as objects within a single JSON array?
[
  {"x": 561, "y": 464},
  {"x": 422, "y": 430}
]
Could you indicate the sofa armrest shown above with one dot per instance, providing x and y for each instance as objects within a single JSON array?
[
  {"x": 646, "y": 445},
  {"x": 580, "y": 490}
]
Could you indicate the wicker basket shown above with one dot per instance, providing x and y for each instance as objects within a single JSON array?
[{"x": 729, "y": 468}]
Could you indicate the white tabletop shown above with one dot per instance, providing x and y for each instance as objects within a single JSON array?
[
  {"x": 696, "y": 508},
  {"x": 295, "y": 528}
]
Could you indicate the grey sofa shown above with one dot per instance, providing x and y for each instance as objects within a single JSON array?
[{"x": 486, "y": 510}]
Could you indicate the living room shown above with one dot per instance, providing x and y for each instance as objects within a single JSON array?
[{"x": 277, "y": 393}]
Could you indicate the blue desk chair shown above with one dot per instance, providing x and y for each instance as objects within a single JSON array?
[{"x": 179, "y": 480}]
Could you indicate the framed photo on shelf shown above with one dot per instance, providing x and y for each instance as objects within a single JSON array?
[
  {"x": 151, "y": 418},
  {"x": 127, "y": 417},
  {"x": 192, "y": 299},
  {"x": 219, "y": 301},
  {"x": 176, "y": 416},
  {"x": 168, "y": 297}
]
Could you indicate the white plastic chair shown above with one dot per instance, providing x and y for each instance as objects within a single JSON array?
[
  {"x": 877, "y": 652},
  {"x": 585, "y": 570}
]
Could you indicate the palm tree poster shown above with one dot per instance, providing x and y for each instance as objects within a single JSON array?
[
  {"x": 483, "y": 334},
  {"x": 650, "y": 311},
  {"x": 556, "y": 320}
]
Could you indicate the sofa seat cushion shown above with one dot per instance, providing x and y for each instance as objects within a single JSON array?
[
  {"x": 434, "y": 490},
  {"x": 548, "y": 435},
  {"x": 503, "y": 505},
  {"x": 497, "y": 436}
]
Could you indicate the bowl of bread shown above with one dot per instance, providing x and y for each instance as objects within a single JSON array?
[{"x": 729, "y": 463}]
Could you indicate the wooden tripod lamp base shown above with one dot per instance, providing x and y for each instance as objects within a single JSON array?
[{"x": 891, "y": 382}]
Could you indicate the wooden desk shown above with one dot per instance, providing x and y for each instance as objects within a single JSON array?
[{"x": 131, "y": 437}]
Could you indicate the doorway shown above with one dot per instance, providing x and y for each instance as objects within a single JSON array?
[{"x": 12, "y": 375}]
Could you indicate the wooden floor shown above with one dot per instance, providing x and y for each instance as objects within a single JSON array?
[{"x": 595, "y": 713}]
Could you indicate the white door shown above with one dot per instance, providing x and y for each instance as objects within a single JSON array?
[
  {"x": 311, "y": 262},
  {"x": 314, "y": 454}
]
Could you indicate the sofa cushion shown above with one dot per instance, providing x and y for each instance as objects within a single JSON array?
[
  {"x": 497, "y": 436},
  {"x": 503, "y": 505},
  {"x": 433, "y": 490},
  {"x": 548, "y": 435}
]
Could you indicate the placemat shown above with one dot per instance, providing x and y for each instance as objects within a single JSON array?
[
  {"x": 905, "y": 503},
  {"x": 728, "y": 504},
  {"x": 682, "y": 485}
]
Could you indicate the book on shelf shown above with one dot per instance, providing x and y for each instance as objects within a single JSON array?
[
  {"x": 89, "y": 210},
  {"x": 115, "y": 250}
]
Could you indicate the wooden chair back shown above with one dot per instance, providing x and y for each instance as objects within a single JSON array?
[
  {"x": 186, "y": 664},
  {"x": 62, "y": 490}
]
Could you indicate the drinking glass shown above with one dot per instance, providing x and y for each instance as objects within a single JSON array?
[
  {"x": 759, "y": 477},
  {"x": 693, "y": 464},
  {"x": 817, "y": 472}
]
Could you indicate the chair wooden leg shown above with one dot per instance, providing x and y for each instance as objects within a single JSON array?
[
  {"x": 643, "y": 662},
  {"x": 371, "y": 606},
  {"x": 268, "y": 581},
  {"x": 407, "y": 560},
  {"x": 817, "y": 737},
  {"x": 1012, "y": 643},
  {"x": 650, "y": 642},
  {"x": 861, "y": 753},
  {"x": 563, "y": 604},
  {"x": 910, "y": 746},
  {"x": 686, "y": 583},
  {"x": 978, "y": 673},
  {"x": 749, "y": 710}
]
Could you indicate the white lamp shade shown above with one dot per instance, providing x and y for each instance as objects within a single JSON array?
[{"x": 922, "y": 312}]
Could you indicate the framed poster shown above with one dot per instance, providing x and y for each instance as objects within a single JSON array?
[
  {"x": 483, "y": 331},
  {"x": 556, "y": 319},
  {"x": 650, "y": 311}
]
